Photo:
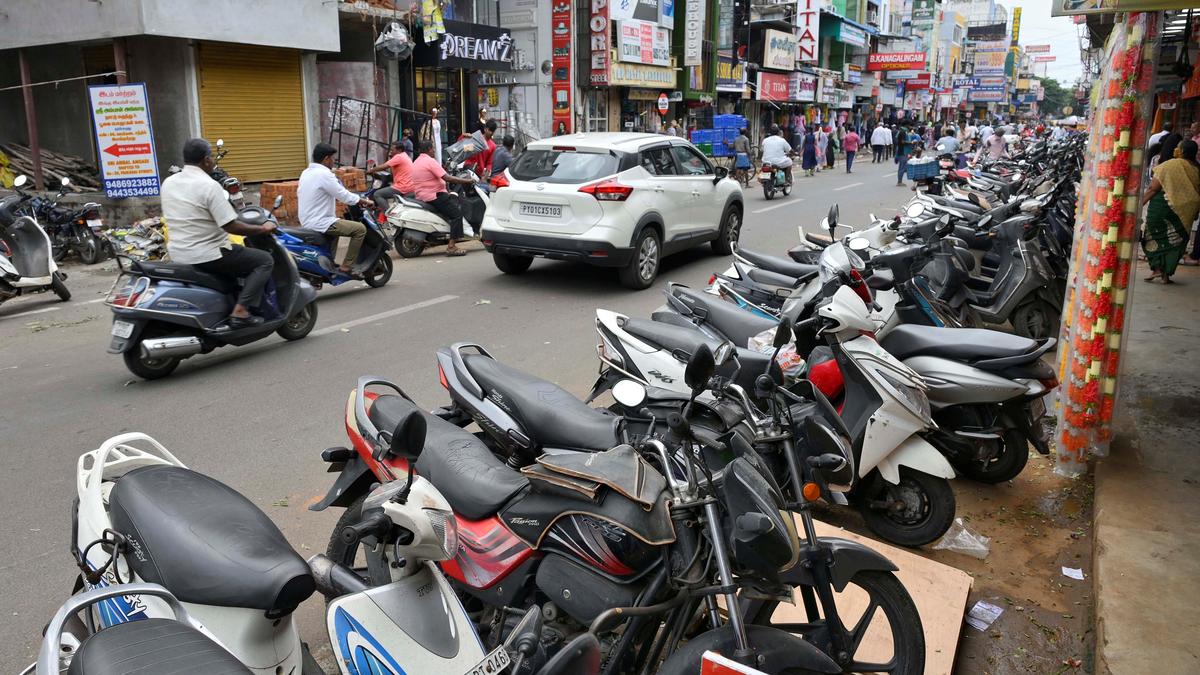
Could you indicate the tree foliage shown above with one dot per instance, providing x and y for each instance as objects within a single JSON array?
[{"x": 1056, "y": 96}]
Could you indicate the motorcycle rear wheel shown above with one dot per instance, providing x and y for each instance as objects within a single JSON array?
[
  {"x": 1005, "y": 466},
  {"x": 768, "y": 191},
  {"x": 928, "y": 511},
  {"x": 148, "y": 368},
  {"x": 408, "y": 248},
  {"x": 299, "y": 324}
]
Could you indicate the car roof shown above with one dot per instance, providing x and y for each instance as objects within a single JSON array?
[{"x": 617, "y": 140}]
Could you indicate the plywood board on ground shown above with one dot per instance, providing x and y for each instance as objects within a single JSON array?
[{"x": 939, "y": 591}]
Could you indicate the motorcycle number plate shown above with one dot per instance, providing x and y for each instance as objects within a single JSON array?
[
  {"x": 122, "y": 329},
  {"x": 540, "y": 210},
  {"x": 95, "y": 223},
  {"x": 492, "y": 664}
]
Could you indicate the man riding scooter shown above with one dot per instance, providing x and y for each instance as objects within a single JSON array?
[
  {"x": 201, "y": 219},
  {"x": 429, "y": 181},
  {"x": 401, "y": 166},
  {"x": 318, "y": 191},
  {"x": 777, "y": 152}
]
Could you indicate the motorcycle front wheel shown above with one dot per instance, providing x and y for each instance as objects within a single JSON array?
[
  {"x": 408, "y": 248},
  {"x": 60, "y": 287},
  {"x": 380, "y": 273},
  {"x": 88, "y": 249}
]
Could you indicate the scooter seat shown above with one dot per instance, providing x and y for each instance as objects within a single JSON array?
[
  {"x": 777, "y": 265},
  {"x": 310, "y": 237},
  {"x": 681, "y": 341},
  {"x": 185, "y": 273},
  {"x": 458, "y": 464},
  {"x": 726, "y": 318},
  {"x": 551, "y": 415},
  {"x": 963, "y": 344},
  {"x": 155, "y": 645},
  {"x": 205, "y": 542},
  {"x": 413, "y": 202}
]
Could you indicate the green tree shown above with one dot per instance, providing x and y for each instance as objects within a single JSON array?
[{"x": 1056, "y": 96}]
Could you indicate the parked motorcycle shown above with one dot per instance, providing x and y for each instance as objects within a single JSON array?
[
  {"x": 75, "y": 229},
  {"x": 166, "y": 312},
  {"x": 26, "y": 263},
  {"x": 418, "y": 225},
  {"x": 314, "y": 251}
]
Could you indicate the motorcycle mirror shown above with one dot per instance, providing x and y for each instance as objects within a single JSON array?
[
  {"x": 859, "y": 244},
  {"x": 832, "y": 218},
  {"x": 783, "y": 335},
  {"x": 64, "y": 181},
  {"x": 220, "y": 143},
  {"x": 20, "y": 181},
  {"x": 408, "y": 440},
  {"x": 699, "y": 369},
  {"x": 915, "y": 210},
  {"x": 278, "y": 202},
  {"x": 629, "y": 393}
]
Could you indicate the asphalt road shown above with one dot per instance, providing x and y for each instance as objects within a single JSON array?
[{"x": 257, "y": 417}]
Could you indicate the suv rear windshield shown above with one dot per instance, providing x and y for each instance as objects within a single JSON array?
[{"x": 556, "y": 166}]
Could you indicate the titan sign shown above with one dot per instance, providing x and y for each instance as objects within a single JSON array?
[{"x": 808, "y": 20}]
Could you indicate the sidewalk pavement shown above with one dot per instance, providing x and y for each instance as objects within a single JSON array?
[{"x": 1147, "y": 503}]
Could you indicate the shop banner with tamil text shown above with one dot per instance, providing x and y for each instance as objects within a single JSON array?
[{"x": 124, "y": 140}]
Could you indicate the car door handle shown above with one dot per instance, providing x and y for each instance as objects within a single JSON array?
[{"x": 658, "y": 188}]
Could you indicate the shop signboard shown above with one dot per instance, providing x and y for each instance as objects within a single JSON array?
[
  {"x": 961, "y": 81},
  {"x": 896, "y": 61},
  {"x": 731, "y": 76},
  {"x": 643, "y": 42},
  {"x": 121, "y": 119},
  {"x": 599, "y": 31},
  {"x": 779, "y": 50},
  {"x": 1026, "y": 99},
  {"x": 772, "y": 87},
  {"x": 808, "y": 29},
  {"x": 992, "y": 31},
  {"x": 562, "y": 37},
  {"x": 851, "y": 35},
  {"x": 921, "y": 81},
  {"x": 693, "y": 32},
  {"x": 640, "y": 75},
  {"x": 1037, "y": 49},
  {"x": 989, "y": 62},
  {"x": 922, "y": 14},
  {"x": 841, "y": 99},
  {"x": 470, "y": 46},
  {"x": 992, "y": 82},
  {"x": 666, "y": 14},
  {"x": 887, "y": 96},
  {"x": 802, "y": 87},
  {"x": 852, "y": 73},
  {"x": 1016, "y": 25},
  {"x": 1045, "y": 59},
  {"x": 988, "y": 95},
  {"x": 641, "y": 10},
  {"x": 1068, "y": 7},
  {"x": 725, "y": 10}
]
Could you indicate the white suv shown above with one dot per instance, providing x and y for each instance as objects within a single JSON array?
[{"x": 619, "y": 200}]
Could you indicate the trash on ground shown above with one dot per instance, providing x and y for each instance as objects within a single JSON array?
[
  {"x": 144, "y": 240},
  {"x": 959, "y": 539},
  {"x": 790, "y": 362},
  {"x": 483, "y": 302},
  {"x": 1074, "y": 573},
  {"x": 983, "y": 614}
]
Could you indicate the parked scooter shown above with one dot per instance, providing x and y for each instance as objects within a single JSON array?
[
  {"x": 194, "y": 550},
  {"x": 314, "y": 251},
  {"x": 166, "y": 312},
  {"x": 26, "y": 263},
  {"x": 418, "y": 225}
]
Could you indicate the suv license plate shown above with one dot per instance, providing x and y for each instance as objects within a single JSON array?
[
  {"x": 492, "y": 664},
  {"x": 540, "y": 210},
  {"x": 122, "y": 329}
]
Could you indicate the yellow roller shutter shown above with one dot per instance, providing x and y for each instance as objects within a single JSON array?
[{"x": 253, "y": 98}]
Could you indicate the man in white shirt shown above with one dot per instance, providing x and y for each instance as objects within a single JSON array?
[
  {"x": 775, "y": 151},
  {"x": 319, "y": 190},
  {"x": 985, "y": 131},
  {"x": 200, "y": 218},
  {"x": 879, "y": 139}
]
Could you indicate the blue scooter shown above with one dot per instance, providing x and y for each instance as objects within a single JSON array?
[{"x": 314, "y": 251}]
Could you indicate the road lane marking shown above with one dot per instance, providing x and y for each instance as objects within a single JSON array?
[
  {"x": 92, "y": 302},
  {"x": 847, "y": 187},
  {"x": 33, "y": 311},
  {"x": 384, "y": 315},
  {"x": 779, "y": 206}
]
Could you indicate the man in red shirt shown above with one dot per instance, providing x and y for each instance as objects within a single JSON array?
[
  {"x": 401, "y": 165},
  {"x": 429, "y": 181},
  {"x": 850, "y": 143},
  {"x": 481, "y": 164}
]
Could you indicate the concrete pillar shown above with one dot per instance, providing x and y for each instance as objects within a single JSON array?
[{"x": 35, "y": 148}]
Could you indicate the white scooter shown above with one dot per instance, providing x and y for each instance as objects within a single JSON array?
[
  {"x": 144, "y": 518},
  {"x": 26, "y": 262},
  {"x": 418, "y": 225}
]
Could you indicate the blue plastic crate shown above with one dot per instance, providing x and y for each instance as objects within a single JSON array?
[
  {"x": 729, "y": 134},
  {"x": 923, "y": 170},
  {"x": 721, "y": 150}
]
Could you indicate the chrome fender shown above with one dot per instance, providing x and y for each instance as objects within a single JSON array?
[{"x": 917, "y": 454}]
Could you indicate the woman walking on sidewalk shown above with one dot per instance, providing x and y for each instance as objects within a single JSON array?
[
  {"x": 809, "y": 153},
  {"x": 1173, "y": 199}
]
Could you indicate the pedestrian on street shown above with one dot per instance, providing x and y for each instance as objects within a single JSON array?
[
  {"x": 502, "y": 158},
  {"x": 808, "y": 157},
  {"x": 481, "y": 163},
  {"x": 429, "y": 182},
  {"x": 948, "y": 142},
  {"x": 822, "y": 142},
  {"x": 832, "y": 145},
  {"x": 432, "y": 131},
  {"x": 407, "y": 143},
  {"x": 889, "y": 148},
  {"x": 198, "y": 211},
  {"x": 879, "y": 139},
  {"x": 993, "y": 146},
  {"x": 400, "y": 165},
  {"x": 850, "y": 142},
  {"x": 905, "y": 140},
  {"x": 318, "y": 192},
  {"x": 741, "y": 155},
  {"x": 1173, "y": 200}
]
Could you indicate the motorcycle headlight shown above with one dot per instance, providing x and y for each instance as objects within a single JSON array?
[
  {"x": 446, "y": 528},
  {"x": 913, "y": 398}
]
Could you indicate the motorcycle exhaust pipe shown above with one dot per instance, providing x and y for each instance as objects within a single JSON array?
[
  {"x": 334, "y": 580},
  {"x": 166, "y": 347}
]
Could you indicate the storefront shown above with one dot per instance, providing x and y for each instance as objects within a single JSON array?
[
  {"x": 446, "y": 75},
  {"x": 731, "y": 83},
  {"x": 628, "y": 79},
  {"x": 628, "y": 65}
]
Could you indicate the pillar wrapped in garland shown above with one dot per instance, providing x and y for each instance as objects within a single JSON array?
[{"x": 1106, "y": 236}]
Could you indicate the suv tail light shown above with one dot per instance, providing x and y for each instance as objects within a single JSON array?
[{"x": 608, "y": 191}]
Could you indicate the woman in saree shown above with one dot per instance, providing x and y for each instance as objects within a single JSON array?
[
  {"x": 809, "y": 153},
  {"x": 1172, "y": 201}
]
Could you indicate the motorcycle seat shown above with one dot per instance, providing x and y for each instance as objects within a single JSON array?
[
  {"x": 962, "y": 344},
  {"x": 205, "y": 542},
  {"x": 726, "y": 318},
  {"x": 413, "y": 202},
  {"x": 681, "y": 341},
  {"x": 777, "y": 265},
  {"x": 310, "y": 237},
  {"x": 881, "y": 279},
  {"x": 459, "y": 465},
  {"x": 153, "y": 646},
  {"x": 168, "y": 271},
  {"x": 551, "y": 415}
]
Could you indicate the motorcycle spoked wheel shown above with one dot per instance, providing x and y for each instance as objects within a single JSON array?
[
  {"x": 89, "y": 250},
  {"x": 887, "y": 611}
]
